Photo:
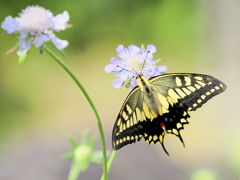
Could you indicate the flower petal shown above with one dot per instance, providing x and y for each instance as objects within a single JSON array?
[
  {"x": 133, "y": 50},
  {"x": 133, "y": 83},
  {"x": 151, "y": 48},
  {"x": 58, "y": 43},
  {"x": 10, "y": 24},
  {"x": 23, "y": 34},
  {"x": 155, "y": 73},
  {"x": 115, "y": 60},
  {"x": 23, "y": 47},
  {"x": 117, "y": 83},
  {"x": 121, "y": 51},
  {"x": 110, "y": 67},
  {"x": 60, "y": 21},
  {"x": 40, "y": 39},
  {"x": 162, "y": 68}
]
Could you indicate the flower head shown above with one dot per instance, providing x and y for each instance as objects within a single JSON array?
[
  {"x": 134, "y": 61},
  {"x": 36, "y": 25},
  {"x": 83, "y": 154}
]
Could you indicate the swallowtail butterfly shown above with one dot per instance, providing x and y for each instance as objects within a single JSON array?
[{"x": 160, "y": 105}]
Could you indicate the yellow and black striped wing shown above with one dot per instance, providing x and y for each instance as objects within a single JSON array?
[
  {"x": 127, "y": 127},
  {"x": 176, "y": 94},
  {"x": 188, "y": 91}
]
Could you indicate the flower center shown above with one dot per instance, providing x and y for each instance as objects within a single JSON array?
[
  {"x": 35, "y": 19},
  {"x": 136, "y": 63},
  {"x": 82, "y": 152}
]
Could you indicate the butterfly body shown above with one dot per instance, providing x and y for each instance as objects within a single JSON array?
[
  {"x": 160, "y": 105},
  {"x": 148, "y": 95}
]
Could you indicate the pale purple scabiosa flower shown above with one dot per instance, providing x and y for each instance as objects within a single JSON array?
[
  {"x": 134, "y": 61},
  {"x": 36, "y": 25}
]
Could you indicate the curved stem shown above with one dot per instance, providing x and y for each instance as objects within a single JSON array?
[
  {"x": 64, "y": 66},
  {"x": 110, "y": 161}
]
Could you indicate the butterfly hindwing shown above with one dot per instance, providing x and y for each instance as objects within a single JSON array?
[
  {"x": 160, "y": 105},
  {"x": 172, "y": 122}
]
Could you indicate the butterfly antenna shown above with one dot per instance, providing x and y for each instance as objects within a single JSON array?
[
  {"x": 144, "y": 62},
  {"x": 135, "y": 72},
  {"x": 125, "y": 69}
]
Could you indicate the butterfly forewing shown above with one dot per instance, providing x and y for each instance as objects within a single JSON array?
[
  {"x": 127, "y": 128},
  {"x": 189, "y": 91},
  {"x": 174, "y": 95}
]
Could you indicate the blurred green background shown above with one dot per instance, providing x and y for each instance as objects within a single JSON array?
[{"x": 40, "y": 105}]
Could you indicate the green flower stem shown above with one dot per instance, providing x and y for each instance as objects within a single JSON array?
[
  {"x": 110, "y": 161},
  {"x": 64, "y": 66},
  {"x": 74, "y": 170}
]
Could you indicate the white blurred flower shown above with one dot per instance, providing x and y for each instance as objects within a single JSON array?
[{"x": 36, "y": 25}]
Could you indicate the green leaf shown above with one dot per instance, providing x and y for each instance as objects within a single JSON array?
[
  {"x": 93, "y": 141},
  {"x": 157, "y": 61},
  {"x": 85, "y": 136},
  {"x": 73, "y": 142},
  {"x": 22, "y": 57},
  {"x": 67, "y": 156},
  {"x": 97, "y": 157},
  {"x": 128, "y": 84}
]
